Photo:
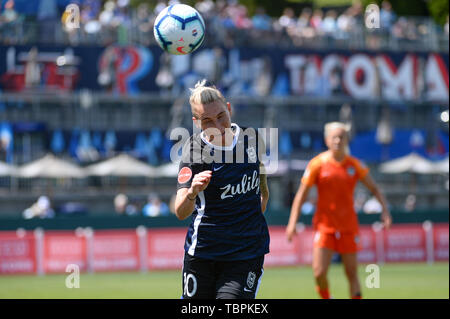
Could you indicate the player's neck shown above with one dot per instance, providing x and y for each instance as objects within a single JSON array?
[
  {"x": 337, "y": 156},
  {"x": 225, "y": 142}
]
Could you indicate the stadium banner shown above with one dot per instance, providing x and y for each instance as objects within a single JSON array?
[
  {"x": 115, "y": 250},
  {"x": 282, "y": 253},
  {"x": 441, "y": 246},
  {"x": 246, "y": 71},
  {"x": 305, "y": 240},
  {"x": 405, "y": 243},
  {"x": 367, "y": 244},
  {"x": 63, "y": 248},
  {"x": 158, "y": 249},
  {"x": 165, "y": 248},
  {"x": 17, "y": 253}
]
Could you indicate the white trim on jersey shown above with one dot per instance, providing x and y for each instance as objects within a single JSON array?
[
  {"x": 259, "y": 282},
  {"x": 198, "y": 219},
  {"x": 223, "y": 148}
]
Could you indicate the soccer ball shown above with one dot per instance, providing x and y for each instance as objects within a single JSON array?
[{"x": 179, "y": 29}]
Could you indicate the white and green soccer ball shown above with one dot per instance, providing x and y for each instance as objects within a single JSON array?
[{"x": 179, "y": 29}]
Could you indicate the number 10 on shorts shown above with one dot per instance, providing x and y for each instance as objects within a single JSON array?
[{"x": 193, "y": 289}]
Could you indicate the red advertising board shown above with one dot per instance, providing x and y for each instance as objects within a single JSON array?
[
  {"x": 165, "y": 248},
  {"x": 282, "y": 253},
  {"x": 367, "y": 244},
  {"x": 17, "y": 254},
  {"x": 62, "y": 248},
  {"x": 115, "y": 250},
  {"x": 405, "y": 243},
  {"x": 441, "y": 242}
]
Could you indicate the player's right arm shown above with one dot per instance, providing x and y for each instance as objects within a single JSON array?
[
  {"x": 299, "y": 200},
  {"x": 308, "y": 181},
  {"x": 185, "y": 199}
]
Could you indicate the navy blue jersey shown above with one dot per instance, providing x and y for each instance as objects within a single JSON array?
[{"x": 227, "y": 222}]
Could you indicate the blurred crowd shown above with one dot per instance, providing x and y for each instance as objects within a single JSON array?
[
  {"x": 123, "y": 206},
  {"x": 229, "y": 23}
]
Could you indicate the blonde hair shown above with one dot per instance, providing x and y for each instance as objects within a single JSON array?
[
  {"x": 202, "y": 94},
  {"x": 338, "y": 125},
  {"x": 335, "y": 125}
]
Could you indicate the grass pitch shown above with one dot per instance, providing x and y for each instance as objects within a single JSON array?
[{"x": 397, "y": 281}]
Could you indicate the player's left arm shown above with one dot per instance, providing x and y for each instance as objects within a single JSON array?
[
  {"x": 373, "y": 188},
  {"x": 264, "y": 188}
]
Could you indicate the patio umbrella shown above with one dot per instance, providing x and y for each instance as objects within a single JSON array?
[
  {"x": 7, "y": 170},
  {"x": 50, "y": 166},
  {"x": 442, "y": 166},
  {"x": 412, "y": 163},
  {"x": 121, "y": 165}
]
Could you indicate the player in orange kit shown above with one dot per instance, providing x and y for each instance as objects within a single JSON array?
[{"x": 335, "y": 173}]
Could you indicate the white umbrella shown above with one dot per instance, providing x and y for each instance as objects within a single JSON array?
[
  {"x": 121, "y": 165},
  {"x": 7, "y": 170},
  {"x": 412, "y": 163},
  {"x": 442, "y": 166},
  {"x": 51, "y": 167},
  {"x": 168, "y": 170}
]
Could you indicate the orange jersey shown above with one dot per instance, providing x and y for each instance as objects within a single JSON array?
[{"x": 335, "y": 183}]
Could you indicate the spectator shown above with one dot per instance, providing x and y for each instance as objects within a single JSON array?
[
  {"x": 32, "y": 69},
  {"x": 241, "y": 19},
  {"x": 372, "y": 206},
  {"x": 206, "y": 8},
  {"x": 9, "y": 14},
  {"x": 287, "y": 20},
  {"x": 316, "y": 21},
  {"x": 41, "y": 209},
  {"x": 261, "y": 21},
  {"x": 410, "y": 203},
  {"x": 155, "y": 207},
  {"x": 9, "y": 23},
  {"x": 303, "y": 29},
  {"x": 329, "y": 25},
  {"x": 145, "y": 23},
  {"x": 345, "y": 21},
  {"x": 387, "y": 16},
  {"x": 304, "y": 19},
  {"x": 123, "y": 207}
]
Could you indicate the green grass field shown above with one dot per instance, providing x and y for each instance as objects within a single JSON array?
[{"x": 396, "y": 281}]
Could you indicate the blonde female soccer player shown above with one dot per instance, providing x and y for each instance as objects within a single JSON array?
[
  {"x": 221, "y": 185},
  {"x": 335, "y": 174}
]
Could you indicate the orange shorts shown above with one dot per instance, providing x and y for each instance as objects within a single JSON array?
[{"x": 343, "y": 243}]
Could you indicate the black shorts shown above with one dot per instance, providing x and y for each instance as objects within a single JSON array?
[{"x": 211, "y": 279}]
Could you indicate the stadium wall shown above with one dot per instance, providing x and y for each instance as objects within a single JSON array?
[{"x": 144, "y": 249}]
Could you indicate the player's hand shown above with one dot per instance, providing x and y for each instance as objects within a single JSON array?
[
  {"x": 199, "y": 183},
  {"x": 386, "y": 218},
  {"x": 291, "y": 231}
]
